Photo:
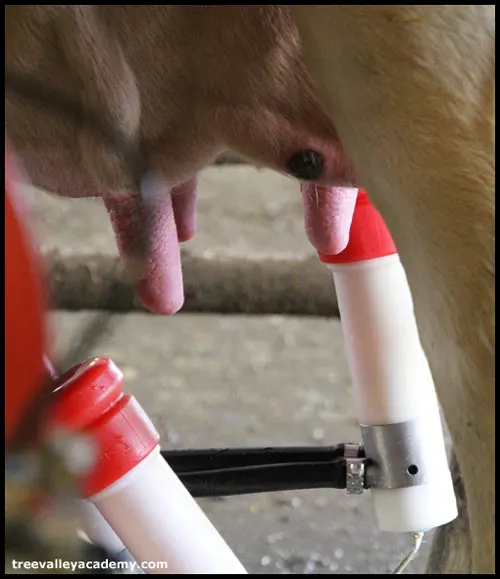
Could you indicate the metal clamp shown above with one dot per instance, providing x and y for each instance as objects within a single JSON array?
[
  {"x": 399, "y": 455},
  {"x": 355, "y": 469}
]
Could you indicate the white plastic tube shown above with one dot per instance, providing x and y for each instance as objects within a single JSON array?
[
  {"x": 160, "y": 523},
  {"x": 392, "y": 381},
  {"x": 393, "y": 384},
  {"x": 97, "y": 531},
  {"x": 146, "y": 507}
]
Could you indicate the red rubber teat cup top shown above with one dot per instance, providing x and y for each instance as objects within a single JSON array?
[
  {"x": 91, "y": 402},
  {"x": 369, "y": 237},
  {"x": 26, "y": 334}
]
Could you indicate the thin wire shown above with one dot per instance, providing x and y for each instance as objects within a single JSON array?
[
  {"x": 417, "y": 543},
  {"x": 134, "y": 163}
]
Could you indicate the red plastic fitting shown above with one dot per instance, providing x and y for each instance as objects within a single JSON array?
[
  {"x": 91, "y": 402},
  {"x": 369, "y": 237}
]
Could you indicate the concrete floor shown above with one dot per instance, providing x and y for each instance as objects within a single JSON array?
[{"x": 208, "y": 380}]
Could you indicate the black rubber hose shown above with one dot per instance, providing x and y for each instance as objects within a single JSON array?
[
  {"x": 216, "y": 458},
  {"x": 262, "y": 479},
  {"x": 237, "y": 471}
]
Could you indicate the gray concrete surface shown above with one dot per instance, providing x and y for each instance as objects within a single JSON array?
[
  {"x": 223, "y": 381},
  {"x": 241, "y": 210}
]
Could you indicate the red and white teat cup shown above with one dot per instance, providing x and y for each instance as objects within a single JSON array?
[
  {"x": 394, "y": 390},
  {"x": 131, "y": 485}
]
